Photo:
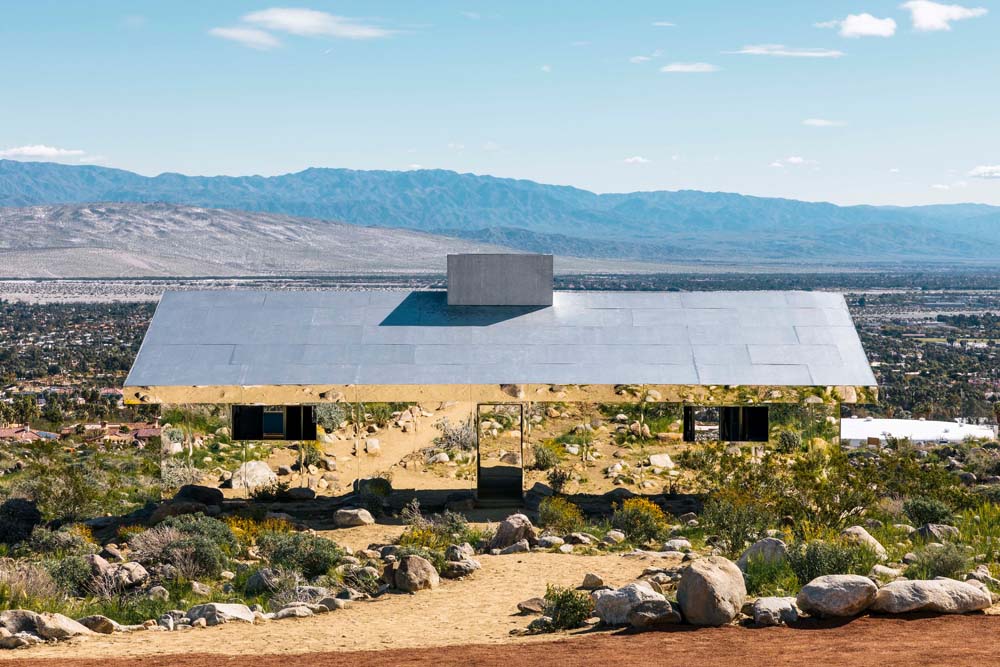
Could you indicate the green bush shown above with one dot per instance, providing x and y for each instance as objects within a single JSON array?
[
  {"x": 309, "y": 554},
  {"x": 72, "y": 574},
  {"x": 817, "y": 558},
  {"x": 737, "y": 523},
  {"x": 789, "y": 442},
  {"x": 921, "y": 510},
  {"x": 568, "y": 608},
  {"x": 199, "y": 525},
  {"x": 195, "y": 556},
  {"x": 764, "y": 576},
  {"x": 948, "y": 560},
  {"x": 560, "y": 515},
  {"x": 640, "y": 519},
  {"x": 435, "y": 556},
  {"x": 271, "y": 492},
  {"x": 558, "y": 478},
  {"x": 546, "y": 456},
  {"x": 330, "y": 416},
  {"x": 58, "y": 543}
]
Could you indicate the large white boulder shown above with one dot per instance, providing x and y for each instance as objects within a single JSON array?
[
  {"x": 253, "y": 474},
  {"x": 774, "y": 611},
  {"x": 349, "y": 518},
  {"x": 858, "y": 535},
  {"x": 767, "y": 550},
  {"x": 943, "y": 596},
  {"x": 711, "y": 591},
  {"x": 614, "y": 606},
  {"x": 512, "y": 530},
  {"x": 216, "y": 613},
  {"x": 837, "y": 595}
]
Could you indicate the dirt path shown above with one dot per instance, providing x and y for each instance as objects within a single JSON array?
[{"x": 866, "y": 642}]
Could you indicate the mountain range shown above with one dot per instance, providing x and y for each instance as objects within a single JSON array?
[{"x": 659, "y": 227}]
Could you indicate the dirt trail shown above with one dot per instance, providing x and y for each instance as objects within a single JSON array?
[{"x": 866, "y": 642}]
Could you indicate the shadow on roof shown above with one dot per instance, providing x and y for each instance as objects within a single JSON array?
[{"x": 431, "y": 309}]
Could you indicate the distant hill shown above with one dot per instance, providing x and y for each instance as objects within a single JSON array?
[
  {"x": 133, "y": 240},
  {"x": 664, "y": 226}
]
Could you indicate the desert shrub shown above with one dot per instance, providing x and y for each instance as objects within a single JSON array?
[
  {"x": 176, "y": 472},
  {"x": 59, "y": 543},
  {"x": 560, "y": 515},
  {"x": 309, "y": 554},
  {"x": 461, "y": 436},
  {"x": 989, "y": 493},
  {"x": 765, "y": 576},
  {"x": 921, "y": 510},
  {"x": 248, "y": 529},
  {"x": 18, "y": 518},
  {"x": 737, "y": 523},
  {"x": 789, "y": 441},
  {"x": 199, "y": 525},
  {"x": 948, "y": 560},
  {"x": 363, "y": 580},
  {"x": 195, "y": 556},
  {"x": 640, "y": 519},
  {"x": 437, "y": 531},
  {"x": 568, "y": 608},
  {"x": 26, "y": 584},
  {"x": 310, "y": 453},
  {"x": 558, "y": 478},
  {"x": 330, "y": 416},
  {"x": 816, "y": 558},
  {"x": 72, "y": 574},
  {"x": 546, "y": 456},
  {"x": 148, "y": 546},
  {"x": 271, "y": 492}
]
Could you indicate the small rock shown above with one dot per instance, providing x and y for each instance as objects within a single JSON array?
[
  {"x": 592, "y": 581},
  {"x": 654, "y": 614},
  {"x": 771, "y": 611},
  {"x": 348, "y": 518},
  {"x": 531, "y": 606}
]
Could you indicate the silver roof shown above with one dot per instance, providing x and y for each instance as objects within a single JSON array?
[{"x": 398, "y": 338}]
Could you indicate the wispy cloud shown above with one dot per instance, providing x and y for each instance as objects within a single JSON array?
[
  {"x": 664, "y": 24},
  {"x": 930, "y": 16},
  {"x": 40, "y": 152},
  {"x": 782, "y": 51},
  {"x": 638, "y": 60},
  {"x": 249, "y": 37},
  {"x": 689, "y": 68},
  {"x": 862, "y": 25},
  {"x": 636, "y": 159},
  {"x": 546, "y": 68},
  {"x": 256, "y": 31},
  {"x": 989, "y": 171},
  {"x": 823, "y": 122},
  {"x": 311, "y": 23}
]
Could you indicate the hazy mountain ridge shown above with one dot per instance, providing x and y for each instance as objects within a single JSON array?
[{"x": 649, "y": 226}]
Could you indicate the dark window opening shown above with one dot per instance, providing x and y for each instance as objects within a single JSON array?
[
  {"x": 258, "y": 422},
  {"x": 728, "y": 424}
]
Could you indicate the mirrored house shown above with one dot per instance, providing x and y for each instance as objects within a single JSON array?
[{"x": 488, "y": 387}]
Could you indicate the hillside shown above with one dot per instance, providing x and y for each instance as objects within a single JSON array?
[{"x": 649, "y": 226}]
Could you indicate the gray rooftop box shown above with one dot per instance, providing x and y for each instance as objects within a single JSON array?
[{"x": 499, "y": 280}]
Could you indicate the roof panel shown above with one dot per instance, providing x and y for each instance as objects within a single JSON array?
[{"x": 347, "y": 337}]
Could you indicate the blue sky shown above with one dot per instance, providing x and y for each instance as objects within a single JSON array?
[{"x": 852, "y": 102}]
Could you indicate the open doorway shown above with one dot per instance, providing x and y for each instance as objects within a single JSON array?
[{"x": 500, "y": 431}]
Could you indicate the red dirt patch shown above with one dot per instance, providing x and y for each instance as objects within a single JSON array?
[{"x": 868, "y": 642}]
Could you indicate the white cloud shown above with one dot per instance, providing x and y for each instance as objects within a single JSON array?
[
  {"x": 827, "y": 24},
  {"x": 663, "y": 24},
  {"x": 546, "y": 68},
  {"x": 823, "y": 122},
  {"x": 638, "y": 60},
  {"x": 782, "y": 51},
  {"x": 894, "y": 170},
  {"x": 930, "y": 16},
  {"x": 986, "y": 171},
  {"x": 777, "y": 164},
  {"x": 250, "y": 37},
  {"x": 690, "y": 68},
  {"x": 636, "y": 159},
  {"x": 413, "y": 167},
  {"x": 313, "y": 23},
  {"x": 866, "y": 25},
  {"x": 794, "y": 161},
  {"x": 40, "y": 152}
]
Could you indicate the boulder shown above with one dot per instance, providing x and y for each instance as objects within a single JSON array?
[
  {"x": 711, "y": 591},
  {"x": 943, "y": 596},
  {"x": 837, "y": 595},
  {"x": 614, "y": 606},
  {"x": 858, "y": 535},
  {"x": 513, "y": 529},
  {"x": 128, "y": 575},
  {"x": 459, "y": 552},
  {"x": 253, "y": 474},
  {"x": 654, "y": 614},
  {"x": 592, "y": 581},
  {"x": 677, "y": 544},
  {"x": 774, "y": 611},
  {"x": 45, "y": 626},
  {"x": 300, "y": 493},
  {"x": 293, "y": 611},
  {"x": 415, "y": 574},
  {"x": 456, "y": 569},
  {"x": 519, "y": 547},
  {"x": 102, "y": 625},
  {"x": 99, "y": 567},
  {"x": 205, "y": 495},
  {"x": 216, "y": 613},
  {"x": 661, "y": 461},
  {"x": 769, "y": 550},
  {"x": 531, "y": 606},
  {"x": 550, "y": 541},
  {"x": 937, "y": 532},
  {"x": 348, "y": 518}
]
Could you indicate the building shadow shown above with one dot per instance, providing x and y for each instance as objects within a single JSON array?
[{"x": 431, "y": 309}]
